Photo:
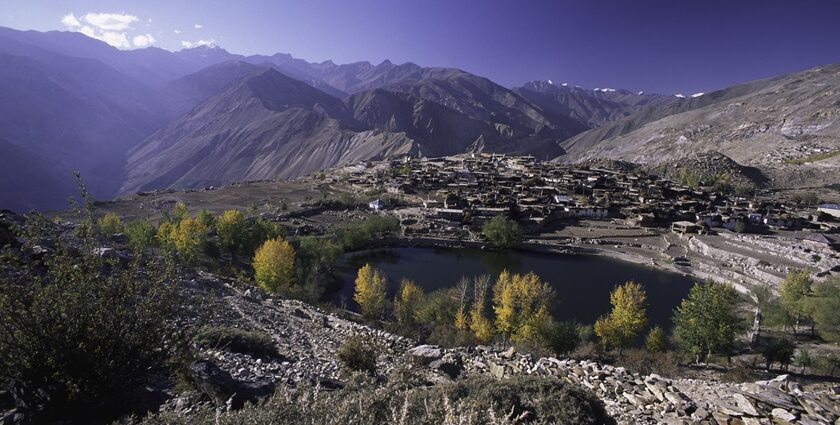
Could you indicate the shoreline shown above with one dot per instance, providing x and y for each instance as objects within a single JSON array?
[{"x": 558, "y": 249}]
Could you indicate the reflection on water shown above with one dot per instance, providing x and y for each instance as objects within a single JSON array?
[{"x": 582, "y": 282}]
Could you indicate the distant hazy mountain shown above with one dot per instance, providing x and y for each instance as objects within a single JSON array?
[
  {"x": 150, "y": 118},
  {"x": 263, "y": 125},
  {"x": 77, "y": 112}
]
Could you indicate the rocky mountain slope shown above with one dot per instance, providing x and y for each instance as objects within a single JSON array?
[
  {"x": 593, "y": 108},
  {"x": 122, "y": 118},
  {"x": 308, "y": 339},
  {"x": 264, "y": 125},
  {"x": 763, "y": 124}
]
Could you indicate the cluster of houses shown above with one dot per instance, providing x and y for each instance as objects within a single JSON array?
[{"x": 470, "y": 188}]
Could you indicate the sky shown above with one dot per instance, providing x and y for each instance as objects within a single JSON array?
[{"x": 662, "y": 46}]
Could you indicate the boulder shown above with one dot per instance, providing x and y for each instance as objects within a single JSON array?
[
  {"x": 222, "y": 388},
  {"x": 426, "y": 354}
]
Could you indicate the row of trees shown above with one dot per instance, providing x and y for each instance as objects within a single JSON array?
[
  {"x": 803, "y": 302},
  {"x": 516, "y": 308}
]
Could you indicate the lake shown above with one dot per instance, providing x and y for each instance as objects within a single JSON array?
[{"x": 582, "y": 282}]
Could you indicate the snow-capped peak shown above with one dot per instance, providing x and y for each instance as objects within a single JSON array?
[
  {"x": 551, "y": 82},
  {"x": 605, "y": 90},
  {"x": 679, "y": 96},
  {"x": 698, "y": 94},
  {"x": 564, "y": 84},
  {"x": 640, "y": 93}
]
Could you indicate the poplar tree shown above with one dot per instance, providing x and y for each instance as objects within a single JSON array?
[
  {"x": 370, "y": 292},
  {"x": 274, "y": 264},
  {"x": 622, "y": 325},
  {"x": 793, "y": 292},
  {"x": 408, "y": 298},
  {"x": 706, "y": 321}
]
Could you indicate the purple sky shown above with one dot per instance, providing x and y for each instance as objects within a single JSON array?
[{"x": 666, "y": 46}]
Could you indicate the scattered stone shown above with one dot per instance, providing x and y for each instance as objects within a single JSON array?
[{"x": 783, "y": 415}]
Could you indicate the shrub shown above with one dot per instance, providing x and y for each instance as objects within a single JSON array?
[
  {"x": 655, "y": 340},
  {"x": 141, "y": 234},
  {"x": 779, "y": 350},
  {"x": 477, "y": 400},
  {"x": 502, "y": 232},
  {"x": 236, "y": 340},
  {"x": 559, "y": 337},
  {"x": 87, "y": 332},
  {"x": 358, "y": 354},
  {"x": 274, "y": 264}
]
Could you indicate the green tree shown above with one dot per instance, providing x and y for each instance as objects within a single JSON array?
[
  {"x": 823, "y": 306},
  {"x": 141, "y": 234},
  {"x": 316, "y": 259},
  {"x": 274, "y": 264},
  {"x": 793, "y": 291},
  {"x": 502, "y": 232},
  {"x": 370, "y": 292},
  {"x": 655, "y": 340},
  {"x": 706, "y": 321},
  {"x": 622, "y": 325},
  {"x": 259, "y": 231},
  {"x": 109, "y": 224},
  {"x": 231, "y": 228}
]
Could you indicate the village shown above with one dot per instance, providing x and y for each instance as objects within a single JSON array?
[{"x": 625, "y": 214}]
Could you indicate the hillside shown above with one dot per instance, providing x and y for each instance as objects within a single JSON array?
[
  {"x": 264, "y": 125},
  {"x": 766, "y": 124}
]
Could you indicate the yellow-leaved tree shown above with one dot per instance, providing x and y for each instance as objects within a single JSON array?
[
  {"x": 274, "y": 264},
  {"x": 231, "y": 228},
  {"x": 109, "y": 224},
  {"x": 370, "y": 292},
  {"x": 622, "y": 325},
  {"x": 521, "y": 304},
  {"x": 188, "y": 237},
  {"x": 481, "y": 326},
  {"x": 408, "y": 298}
]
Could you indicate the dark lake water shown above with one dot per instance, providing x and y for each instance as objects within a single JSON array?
[{"x": 582, "y": 282}]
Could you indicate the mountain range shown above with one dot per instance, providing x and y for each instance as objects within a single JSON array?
[{"x": 131, "y": 120}]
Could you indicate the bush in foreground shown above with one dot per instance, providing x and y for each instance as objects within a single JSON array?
[
  {"x": 358, "y": 354},
  {"x": 84, "y": 335},
  {"x": 532, "y": 400}
]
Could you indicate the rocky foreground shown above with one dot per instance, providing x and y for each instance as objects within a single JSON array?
[{"x": 308, "y": 339}]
